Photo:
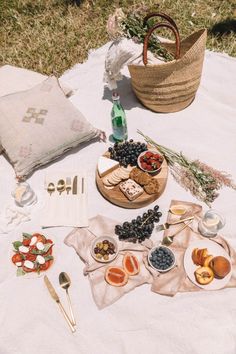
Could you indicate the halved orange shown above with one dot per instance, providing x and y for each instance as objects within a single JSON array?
[
  {"x": 131, "y": 264},
  {"x": 116, "y": 276}
]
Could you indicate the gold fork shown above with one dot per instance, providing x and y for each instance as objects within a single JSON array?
[
  {"x": 168, "y": 240},
  {"x": 68, "y": 185}
]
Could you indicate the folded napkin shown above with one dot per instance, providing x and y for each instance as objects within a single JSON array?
[
  {"x": 81, "y": 240},
  {"x": 66, "y": 209},
  {"x": 176, "y": 280}
]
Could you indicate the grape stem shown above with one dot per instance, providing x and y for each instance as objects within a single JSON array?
[{"x": 146, "y": 220}]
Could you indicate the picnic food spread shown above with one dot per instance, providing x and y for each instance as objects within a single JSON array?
[
  {"x": 120, "y": 179},
  {"x": 118, "y": 255}
]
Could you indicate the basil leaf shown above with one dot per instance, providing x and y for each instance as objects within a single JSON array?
[
  {"x": 17, "y": 244},
  {"x": 35, "y": 251},
  {"x": 46, "y": 247},
  {"x": 25, "y": 235},
  {"x": 20, "y": 272},
  {"x": 48, "y": 258}
]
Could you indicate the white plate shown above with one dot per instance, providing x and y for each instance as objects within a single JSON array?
[{"x": 216, "y": 250}]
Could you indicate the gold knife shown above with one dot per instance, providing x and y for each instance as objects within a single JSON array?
[
  {"x": 56, "y": 298},
  {"x": 74, "y": 185}
]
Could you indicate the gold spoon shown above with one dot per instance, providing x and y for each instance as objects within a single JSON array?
[
  {"x": 61, "y": 186},
  {"x": 51, "y": 188},
  {"x": 65, "y": 282},
  {"x": 168, "y": 240}
]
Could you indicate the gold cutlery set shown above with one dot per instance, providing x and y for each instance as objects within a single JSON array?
[
  {"x": 66, "y": 185},
  {"x": 168, "y": 240},
  {"x": 65, "y": 282}
]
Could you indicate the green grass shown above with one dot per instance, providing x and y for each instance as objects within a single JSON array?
[{"x": 50, "y": 36}]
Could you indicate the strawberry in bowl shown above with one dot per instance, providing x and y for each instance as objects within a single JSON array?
[
  {"x": 150, "y": 161},
  {"x": 33, "y": 254}
]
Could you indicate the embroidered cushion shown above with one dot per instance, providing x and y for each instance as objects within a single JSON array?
[{"x": 39, "y": 125}]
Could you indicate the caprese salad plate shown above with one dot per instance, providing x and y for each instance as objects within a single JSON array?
[{"x": 32, "y": 254}]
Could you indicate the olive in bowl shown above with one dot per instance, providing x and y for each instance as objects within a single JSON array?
[
  {"x": 161, "y": 258},
  {"x": 104, "y": 249},
  {"x": 150, "y": 161}
]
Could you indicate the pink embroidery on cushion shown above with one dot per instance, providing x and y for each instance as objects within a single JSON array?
[
  {"x": 77, "y": 126},
  {"x": 25, "y": 151}
]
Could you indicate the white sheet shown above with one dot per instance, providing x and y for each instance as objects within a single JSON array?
[{"x": 142, "y": 321}]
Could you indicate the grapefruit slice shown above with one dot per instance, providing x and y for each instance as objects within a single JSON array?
[
  {"x": 131, "y": 264},
  {"x": 116, "y": 276}
]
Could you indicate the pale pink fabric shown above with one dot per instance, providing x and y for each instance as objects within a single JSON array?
[
  {"x": 81, "y": 239},
  {"x": 168, "y": 283}
]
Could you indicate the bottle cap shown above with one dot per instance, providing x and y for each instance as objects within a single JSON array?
[{"x": 115, "y": 96}]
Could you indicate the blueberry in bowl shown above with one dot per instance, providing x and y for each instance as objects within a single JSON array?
[{"x": 161, "y": 258}]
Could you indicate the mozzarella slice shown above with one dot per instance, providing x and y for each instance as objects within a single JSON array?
[
  {"x": 24, "y": 249},
  {"x": 33, "y": 240},
  {"x": 18, "y": 264},
  {"x": 40, "y": 246},
  {"x": 40, "y": 259},
  {"x": 106, "y": 165},
  {"x": 29, "y": 264}
]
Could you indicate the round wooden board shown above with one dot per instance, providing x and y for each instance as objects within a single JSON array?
[{"x": 116, "y": 197}]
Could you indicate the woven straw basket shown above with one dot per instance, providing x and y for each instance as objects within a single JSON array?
[{"x": 172, "y": 86}]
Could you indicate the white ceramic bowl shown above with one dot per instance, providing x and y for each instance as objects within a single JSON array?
[
  {"x": 142, "y": 154},
  {"x": 169, "y": 251},
  {"x": 101, "y": 239}
]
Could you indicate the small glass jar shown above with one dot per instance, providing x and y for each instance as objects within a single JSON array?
[
  {"x": 24, "y": 194},
  {"x": 211, "y": 223}
]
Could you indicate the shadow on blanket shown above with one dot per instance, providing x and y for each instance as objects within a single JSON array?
[{"x": 127, "y": 96}]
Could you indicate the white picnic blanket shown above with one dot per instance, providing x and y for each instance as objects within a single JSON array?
[{"x": 141, "y": 321}]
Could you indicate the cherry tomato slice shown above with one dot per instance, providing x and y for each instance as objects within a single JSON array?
[
  {"x": 46, "y": 265},
  {"x": 26, "y": 242},
  {"x": 30, "y": 257},
  {"x": 16, "y": 258}
]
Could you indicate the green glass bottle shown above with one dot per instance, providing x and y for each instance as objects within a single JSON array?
[{"x": 118, "y": 119}]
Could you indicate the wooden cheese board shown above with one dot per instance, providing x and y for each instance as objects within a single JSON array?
[{"x": 115, "y": 196}]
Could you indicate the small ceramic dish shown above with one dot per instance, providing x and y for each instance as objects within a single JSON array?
[
  {"x": 104, "y": 249},
  {"x": 150, "y": 161},
  {"x": 178, "y": 209},
  {"x": 161, "y": 258}
]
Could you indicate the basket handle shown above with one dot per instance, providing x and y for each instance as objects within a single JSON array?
[
  {"x": 146, "y": 39},
  {"x": 162, "y": 15}
]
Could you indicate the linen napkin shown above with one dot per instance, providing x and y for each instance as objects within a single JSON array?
[
  {"x": 66, "y": 209},
  {"x": 81, "y": 240},
  {"x": 176, "y": 280}
]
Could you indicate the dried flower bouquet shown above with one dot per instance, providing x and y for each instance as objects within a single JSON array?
[
  {"x": 131, "y": 26},
  {"x": 200, "y": 179}
]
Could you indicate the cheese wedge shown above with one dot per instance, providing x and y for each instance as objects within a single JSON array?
[{"x": 106, "y": 165}]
